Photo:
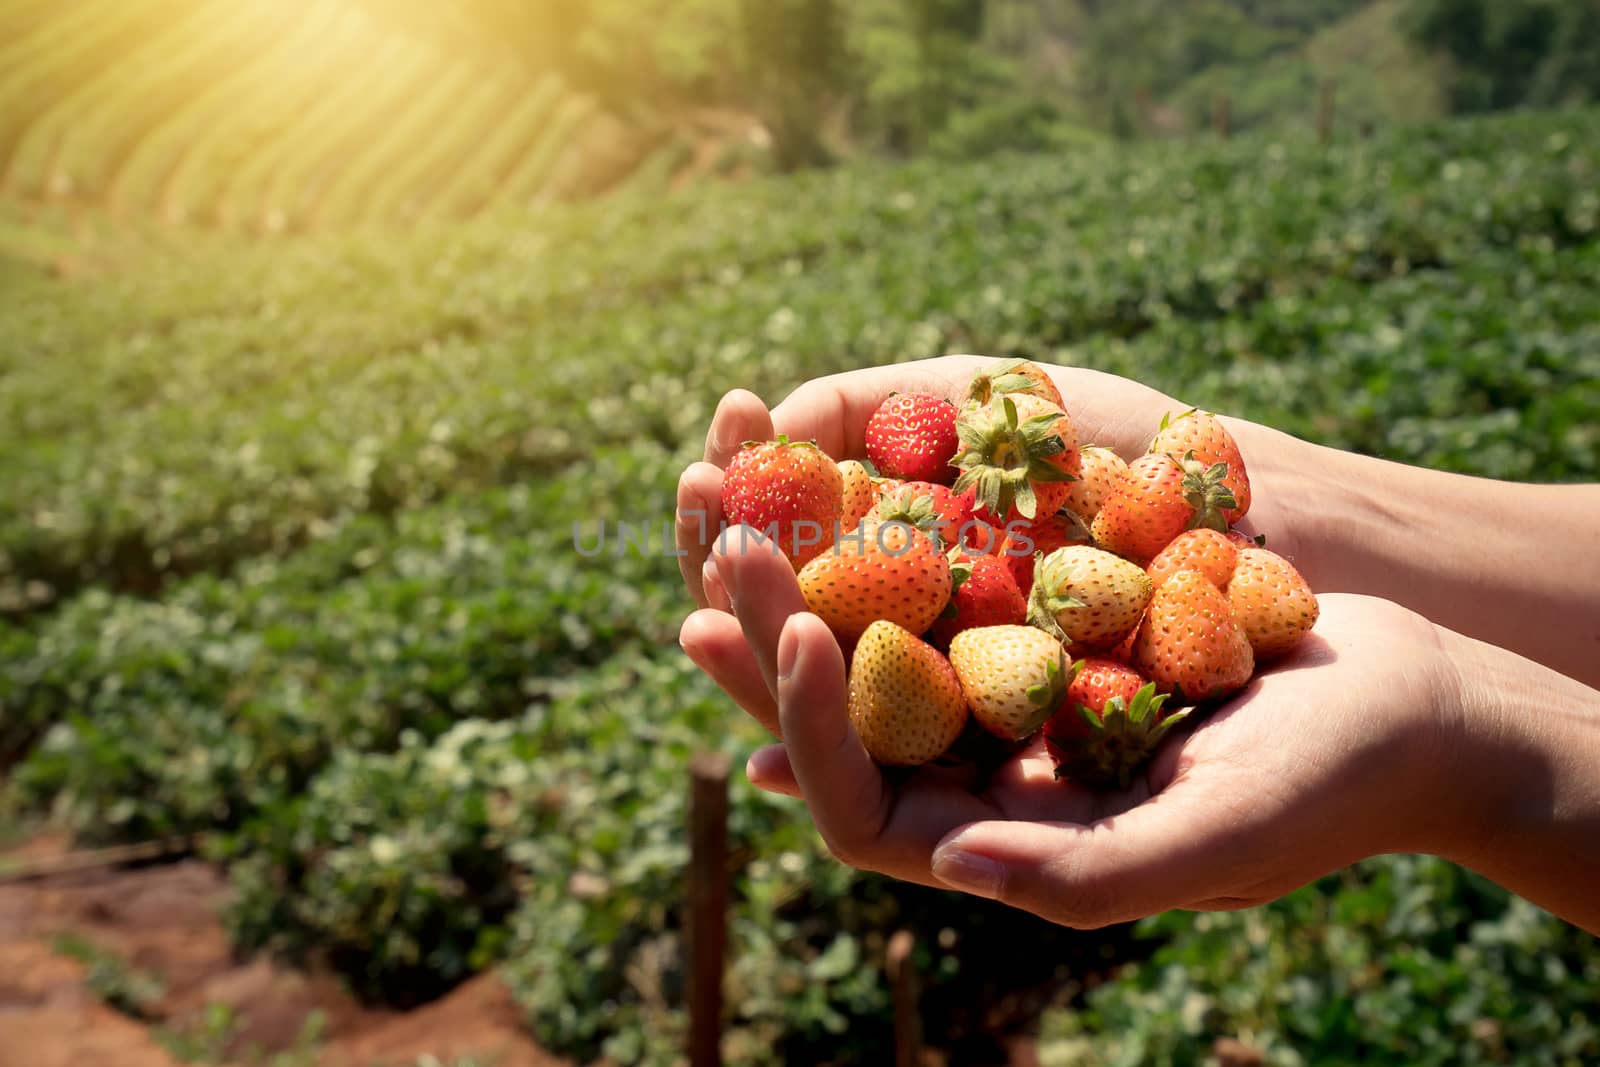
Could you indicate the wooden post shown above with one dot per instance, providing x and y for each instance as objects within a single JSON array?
[
  {"x": 708, "y": 904},
  {"x": 1222, "y": 116},
  {"x": 907, "y": 1013},
  {"x": 1325, "y": 112}
]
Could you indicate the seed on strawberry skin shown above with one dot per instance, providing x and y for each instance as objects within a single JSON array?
[
  {"x": 904, "y": 698},
  {"x": 912, "y": 436},
  {"x": 790, "y": 490},
  {"x": 1014, "y": 677},
  {"x": 1272, "y": 602}
]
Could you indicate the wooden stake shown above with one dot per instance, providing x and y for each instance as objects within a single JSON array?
[
  {"x": 708, "y": 904},
  {"x": 116, "y": 856},
  {"x": 907, "y": 1013},
  {"x": 1222, "y": 116}
]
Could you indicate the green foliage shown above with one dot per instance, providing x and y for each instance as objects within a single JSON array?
[
  {"x": 1403, "y": 960},
  {"x": 287, "y": 535},
  {"x": 1511, "y": 53},
  {"x": 130, "y": 990}
]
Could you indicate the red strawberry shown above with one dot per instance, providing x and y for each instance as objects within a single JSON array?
[
  {"x": 1204, "y": 435},
  {"x": 1189, "y": 643},
  {"x": 789, "y": 490},
  {"x": 1101, "y": 468},
  {"x": 1109, "y": 725},
  {"x": 860, "y": 494},
  {"x": 950, "y": 514},
  {"x": 1012, "y": 377},
  {"x": 1207, "y": 551},
  {"x": 913, "y": 436},
  {"x": 884, "y": 570},
  {"x": 1156, "y": 499},
  {"x": 1258, "y": 541},
  {"x": 1019, "y": 455},
  {"x": 1014, "y": 677},
  {"x": 1272, "y": 602},
  {"x": 904, "y": 699},
  {"x": 984, "y": 594},
  {"x": 1025, "y": 542},
  {"x": 1087, "y": 597}
]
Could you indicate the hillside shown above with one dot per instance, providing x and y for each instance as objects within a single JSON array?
[{"x": 270, "y": 117}]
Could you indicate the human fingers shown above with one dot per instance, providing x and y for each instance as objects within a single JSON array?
[
  {"x": 833, "y": 410},
  {"x": 740, "y": 416},
  {"x": 695, "y": 525},
  {"x": 762, "y": 590},
  {"x": 714, "y": 642}
]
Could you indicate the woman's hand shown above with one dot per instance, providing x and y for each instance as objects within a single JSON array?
[{"x": 1326, "y": 757}]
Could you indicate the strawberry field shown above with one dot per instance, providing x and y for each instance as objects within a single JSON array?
[{"x": 287, "y": 557}]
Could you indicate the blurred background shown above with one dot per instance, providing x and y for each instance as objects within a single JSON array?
[{"x": 327, "y": 325}]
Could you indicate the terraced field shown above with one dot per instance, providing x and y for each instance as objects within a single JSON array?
[{"x": 268, "y": 116}]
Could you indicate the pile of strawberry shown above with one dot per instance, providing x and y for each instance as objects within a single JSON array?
[{"x": 994, "y": 570}]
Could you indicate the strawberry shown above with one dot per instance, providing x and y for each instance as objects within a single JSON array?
[
  {"x": 883, "y": 570},
  {"x": 1157, "y": 498},
  {"x": 789, "y": 490},
  {"x": 1207, "y": 551},
  {"x": 1258, "y": 541},
  {"x": 1203, "y": 434},
  {"x": 1109, "y": 726},
  {"x": 1014, "y": 677},
  {"x": 1100, "y": 469},
  {"x": 1272, "y": 602},
  {"x": 1189, "y": 643},
  {"x": 932, "y": 508},
  {"x": 913, "y": 436},
  {"x": 1012, "y": 377},
  {"x": 861, "y": 494},
  {"x": 1087, "y": 597},
  {"x": 1019, "y": 454},
  {"x": 1025, "y": 542},
  {"x": 904, "y": 699},
  {"x": 983, "y": 594}
]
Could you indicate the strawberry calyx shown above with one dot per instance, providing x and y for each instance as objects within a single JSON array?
[
  {"x": 915, "y": 510},
  {"x": 1002, "y": 456},
  {"x": 1052, "y": 575},
  {"x": 998, "y": 381},
  {"x": 1121, "y": 737},
  {"x": 1204, "y": 491},
  {"x": 781, "y": 439},
  {"x": 1048, "y": 695}
]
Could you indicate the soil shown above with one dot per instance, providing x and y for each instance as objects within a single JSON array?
[{"x": 162, "y": 922}]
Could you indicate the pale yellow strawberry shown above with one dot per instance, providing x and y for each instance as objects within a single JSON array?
[
  {"x": 1014, "y": 677},
  {"x": 1087, "y": 597},
  {"x": 1101, "y": 468},
  {"x": 1271, "y": 601},
  {"x": 905, "y": 700}
]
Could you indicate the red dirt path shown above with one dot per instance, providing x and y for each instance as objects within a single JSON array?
[{"x": 162, "y": 920}]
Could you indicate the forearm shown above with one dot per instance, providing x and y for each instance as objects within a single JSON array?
[
  {"x": 1520, "y": 759},
  {"x": 1512, "y": 564}
]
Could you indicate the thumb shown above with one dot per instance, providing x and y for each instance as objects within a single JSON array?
[{"x": 1178, "y": 849}]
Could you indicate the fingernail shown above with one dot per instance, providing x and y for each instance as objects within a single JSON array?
[
  {"x": 968, "y": 871},
  {"x": 711, "y": 578},
  {"x": 788, "y": 650}
]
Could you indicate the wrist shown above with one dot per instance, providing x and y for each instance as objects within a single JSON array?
[{"x": 1520, "y": 744}]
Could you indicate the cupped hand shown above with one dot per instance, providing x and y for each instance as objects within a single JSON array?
[
  {"x": 1325, "y": 758},
  {"x": 1106, "y": 410}
]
